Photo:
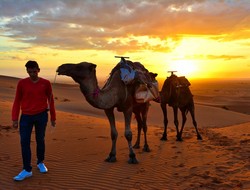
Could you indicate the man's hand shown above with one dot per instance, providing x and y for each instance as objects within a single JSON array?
[
  {"x": 15, "y": 124},
  {"x": 53, "y": 123}
]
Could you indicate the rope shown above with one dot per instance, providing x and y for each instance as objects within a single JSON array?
[
  {"x": 52, "y": 86},
  {"x": 55, "y": 79}
]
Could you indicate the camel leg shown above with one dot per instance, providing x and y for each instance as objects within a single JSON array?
[
  {"x": 145, "y": 127},
  {"x": 112, "y": 155},
  {"x": 184, "y": 119},
  {"x": 195, "y": 124},
  {"x": 128, "y": 135},
  {"x": 176, "y": 122},
  {"x": 139, "y": 127},
  {"x": 165, "y": 121}
]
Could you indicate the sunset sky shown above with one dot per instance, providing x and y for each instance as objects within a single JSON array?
[{"x": 197, "y": 38}]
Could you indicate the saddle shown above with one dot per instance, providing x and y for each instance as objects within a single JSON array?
[
  {"x": 183, "y": 82},
  {"x": 148, "y": 86},
  {"x": 145, "y": 93}
]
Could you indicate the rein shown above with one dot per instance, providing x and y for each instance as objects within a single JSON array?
[
  {"x": 54, "y": 82},
  {"x": 52, "y": 86}
]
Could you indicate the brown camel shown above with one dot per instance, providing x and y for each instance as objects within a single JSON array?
[
  {"x": 114, "y": 94},
  {"x": 176, "y": 93},
  {"x": 141, "y": 111}
]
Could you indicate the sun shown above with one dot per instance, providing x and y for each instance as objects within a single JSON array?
[{"x": 184, "y": 68}]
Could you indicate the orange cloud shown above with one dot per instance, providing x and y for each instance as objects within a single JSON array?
[{"x": 81, "y": 25}]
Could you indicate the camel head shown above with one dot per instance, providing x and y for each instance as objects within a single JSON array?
[
  {"x": 153, "y": 76},
  {"x": 77, "y": 71}
]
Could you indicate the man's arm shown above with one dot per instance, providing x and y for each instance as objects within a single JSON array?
[
  {"x": 16, "y": 106},
  {"x": 52, "y": 106}
]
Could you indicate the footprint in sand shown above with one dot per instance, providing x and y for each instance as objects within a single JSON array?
[
  {"x": 141, "y": 170},
  {"x": 82, "y": 139},
  {"x": 54, "y": 139},
  {"x": 65, "y": 100},
  {"x": 102, "y": 137},
  {"x": 5, "y": 127},
  {"x": 181, "y": 165}
]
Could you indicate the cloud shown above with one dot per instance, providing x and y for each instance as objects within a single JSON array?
[
  {"x": 214, "y": 57},
  {"x": 89, "y": 24},
  {"x": 225, "y": 57}
]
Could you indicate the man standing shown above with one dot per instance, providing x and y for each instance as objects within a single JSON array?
[{"x": 35, "y": 98}]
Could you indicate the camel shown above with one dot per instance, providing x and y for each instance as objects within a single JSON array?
[
  {"x": 141, "y": 111},
  {"x": 114, "y": 94},
  {"x": 177, "y": 94}
]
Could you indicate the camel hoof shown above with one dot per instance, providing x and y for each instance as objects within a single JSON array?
[
  {"x": 164, "y": 138},
  {"x": 146, "y": 148},
  {"x": 199, "y": 137},
  {"x": 179, "y": 139},
  {"x": 136, "y": 146},
  {"x": 111, "y": 158},
  {"x": 132, "y": 159}
]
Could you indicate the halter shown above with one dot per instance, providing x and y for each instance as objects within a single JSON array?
[{"x": 96, "y": 93}]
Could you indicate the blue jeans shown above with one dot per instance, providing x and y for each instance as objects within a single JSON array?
[{"x": 26, "y": 125}]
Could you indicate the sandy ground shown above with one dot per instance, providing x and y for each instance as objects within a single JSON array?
[{"x": 77, "y": 147}]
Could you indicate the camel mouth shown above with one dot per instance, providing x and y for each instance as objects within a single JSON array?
[{"x": 59, "y": 72}]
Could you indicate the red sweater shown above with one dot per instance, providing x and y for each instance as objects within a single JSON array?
[{"x": 33, "y": 98}]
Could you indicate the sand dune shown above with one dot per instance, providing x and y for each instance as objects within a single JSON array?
[{"x": 77, "y": 147}]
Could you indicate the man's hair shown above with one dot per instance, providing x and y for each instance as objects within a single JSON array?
[{"x": 32, "y": 64}]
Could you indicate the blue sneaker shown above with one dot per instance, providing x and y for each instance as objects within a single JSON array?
[
  {"x": 42, "y": 167},
  {"x": 22, "y": 175}
]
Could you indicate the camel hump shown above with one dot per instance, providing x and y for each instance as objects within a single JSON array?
[
  {"x": 139, "y": 67},
  {"x": 183, "y": 81},
  {"x": 133, "y": 70}
]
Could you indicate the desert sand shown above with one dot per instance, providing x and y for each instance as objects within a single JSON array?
[{"x": 77, "y": 147}]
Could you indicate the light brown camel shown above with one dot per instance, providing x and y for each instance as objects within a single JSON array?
[
  {"x": 114, "y": 94},
  {"x": 176, "y": 93}
]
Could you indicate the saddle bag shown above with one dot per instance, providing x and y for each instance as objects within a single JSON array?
[{"x": 145, "y": 93}]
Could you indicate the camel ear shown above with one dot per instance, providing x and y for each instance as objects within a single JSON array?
[{"x": 92, "y": 67}]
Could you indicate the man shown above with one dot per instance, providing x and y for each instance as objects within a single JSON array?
[{"x": 35, "y": 98}]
